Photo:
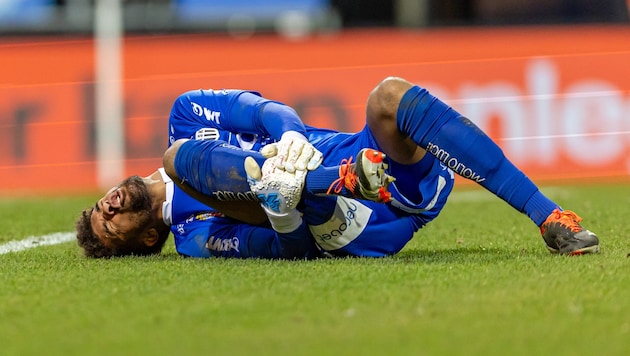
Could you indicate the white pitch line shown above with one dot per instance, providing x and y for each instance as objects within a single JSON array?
[{"x": 36, "y": 241}]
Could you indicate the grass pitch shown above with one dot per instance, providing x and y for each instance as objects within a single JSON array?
[{"x": 476, "y": 281}]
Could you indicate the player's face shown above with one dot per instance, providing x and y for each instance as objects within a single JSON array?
[{"x": 122, "y": 213}]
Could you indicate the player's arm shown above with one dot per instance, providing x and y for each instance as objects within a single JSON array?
[
  {"x": 224, "y": 237},
  {"x": 240, "y": 111},
  {"x": 235, "y": 111}
]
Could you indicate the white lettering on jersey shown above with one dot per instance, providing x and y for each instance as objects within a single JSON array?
[
  {"x": 222, "y": 245},
  {"x": 203, "y": 111},
  {"x": 346, "y": 224},
  {"x": 212, "y": 115}
]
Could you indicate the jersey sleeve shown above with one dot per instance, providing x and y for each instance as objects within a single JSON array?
[
  {"x": 225, "y": 237},
  {"x": 235, "y": 111}
]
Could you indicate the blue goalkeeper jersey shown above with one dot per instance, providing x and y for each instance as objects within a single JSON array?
[
  {"x": 200, "y": 231},
  {"x": 338, "y": 225}
]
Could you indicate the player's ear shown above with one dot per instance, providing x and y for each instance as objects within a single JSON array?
[{"x": 150, "y": 237}]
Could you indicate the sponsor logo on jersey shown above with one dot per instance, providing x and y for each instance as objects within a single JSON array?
[
  {"x": 208, "y": 215},
  {"x": 210, "y": 115},
  {"x": 346, "y": 224},
  {"x": 207, "y": 133},
  {"x": 223, "y": 245}
]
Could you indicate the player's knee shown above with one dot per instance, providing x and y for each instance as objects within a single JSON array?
[{"x": 384, "y": 99}]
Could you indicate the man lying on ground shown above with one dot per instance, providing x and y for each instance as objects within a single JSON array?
[{"x": 222, "y": 128}]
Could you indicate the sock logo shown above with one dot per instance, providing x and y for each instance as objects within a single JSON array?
[
  {"x": 225, "y": 195},
  {"x": 453, "y": 163}
]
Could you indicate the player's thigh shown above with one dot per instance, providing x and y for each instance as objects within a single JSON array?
[{"x": 244, "y": 211}]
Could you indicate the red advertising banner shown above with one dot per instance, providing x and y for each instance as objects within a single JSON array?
[{"x": 556, "y": 99}]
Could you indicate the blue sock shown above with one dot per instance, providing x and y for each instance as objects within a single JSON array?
[
  {"x": 320, "y": 180},
  {"x": 464, "y": 148},
  {"x": 215, "y": 168}
]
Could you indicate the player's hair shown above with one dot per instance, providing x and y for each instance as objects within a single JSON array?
[{"x": 93, "y": 247}]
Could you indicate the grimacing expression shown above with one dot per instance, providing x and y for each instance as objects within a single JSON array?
[{"x": 123, "y": 212}]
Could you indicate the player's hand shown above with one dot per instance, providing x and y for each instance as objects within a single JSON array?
[
  {"x": 278, "y": 190},
  {"x": 293, "y": 153}
]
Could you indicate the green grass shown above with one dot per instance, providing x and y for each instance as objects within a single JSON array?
[{"x": 478, "y": 280}]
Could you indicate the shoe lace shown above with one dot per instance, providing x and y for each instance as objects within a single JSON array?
[
  {"x": 347, "y": 177},
  {"x": 566, "y": 218}
]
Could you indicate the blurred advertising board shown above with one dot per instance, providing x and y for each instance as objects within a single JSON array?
[{"x": 556, "y": 99}]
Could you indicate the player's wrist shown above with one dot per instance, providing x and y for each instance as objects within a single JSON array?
[
  {"x": 293, "y": 135},
  {"x": 284, "y": 222}
]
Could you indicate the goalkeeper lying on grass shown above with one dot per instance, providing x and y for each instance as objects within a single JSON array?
[{"x": 321, "y": 192}]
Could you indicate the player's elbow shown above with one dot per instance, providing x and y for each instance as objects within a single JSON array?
[{"x": 168, "y": 159}]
